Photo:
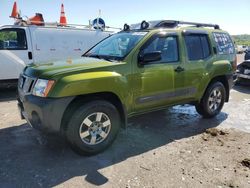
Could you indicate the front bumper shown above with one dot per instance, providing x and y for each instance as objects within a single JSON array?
[
  {"x": 43, "y": 113},
  {"x": 245, "y": 76}
]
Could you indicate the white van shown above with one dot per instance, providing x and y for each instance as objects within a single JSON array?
[{"x": 23, "y": 45}]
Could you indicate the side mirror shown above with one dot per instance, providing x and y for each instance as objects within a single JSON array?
[{"x": 149, "y": 57}]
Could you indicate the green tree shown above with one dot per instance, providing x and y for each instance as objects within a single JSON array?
[
  {"x": 242, "y": 39},
  {"x": 8, "y": 35}
]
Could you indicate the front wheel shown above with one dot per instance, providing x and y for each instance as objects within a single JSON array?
[
  {"x": 212, "y": 101},
  {"x": 93, "y": 127}
]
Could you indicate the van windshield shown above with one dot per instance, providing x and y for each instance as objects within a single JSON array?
[{"x": 117, "y": 46}]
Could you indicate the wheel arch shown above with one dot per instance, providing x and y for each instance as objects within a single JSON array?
[
  {"x": 223, "y": 79},
  {"x": 81, "y": 99}
]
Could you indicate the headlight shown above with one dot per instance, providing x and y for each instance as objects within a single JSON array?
[{"x": 42, "y": 87}]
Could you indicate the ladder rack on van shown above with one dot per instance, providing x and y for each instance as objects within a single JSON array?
[{"x": 58, "y": 25}]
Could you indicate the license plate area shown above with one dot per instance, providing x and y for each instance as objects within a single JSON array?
[{"x": 247, "y": 71}]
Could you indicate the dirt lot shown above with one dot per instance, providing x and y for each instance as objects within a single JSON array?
[{"x": 169, "y": 148}]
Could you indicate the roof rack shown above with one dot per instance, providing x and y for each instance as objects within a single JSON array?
[
  {"x": 22, "y": 22},
  {"x": 174, "y": 23},
  {"x": 168, "y": 24}
]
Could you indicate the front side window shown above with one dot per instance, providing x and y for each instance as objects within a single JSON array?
[
  {"x": 167, "y": 45},
  {"x": 117, "y": 46},
  {"x": 224, "y": 43},
  {"x": 198, "y": 47},
  {"x": 13, "y": 39}
]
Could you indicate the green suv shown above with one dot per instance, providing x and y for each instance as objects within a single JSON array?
[{"x": 144, "y": 68}]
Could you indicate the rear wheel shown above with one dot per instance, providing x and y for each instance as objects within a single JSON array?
[
  {"x": 93, "y": 127},
  {"x": 212, "y": 101}
]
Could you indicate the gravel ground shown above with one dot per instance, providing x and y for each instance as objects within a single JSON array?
[{"x": 171, "y": 148}]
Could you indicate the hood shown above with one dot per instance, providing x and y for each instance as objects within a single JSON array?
[{"x": 50, "y": 69}]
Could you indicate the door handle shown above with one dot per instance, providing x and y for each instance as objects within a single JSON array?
[
  {"x": 179, "y": 69},
  {"x": 30, "y": 55}
]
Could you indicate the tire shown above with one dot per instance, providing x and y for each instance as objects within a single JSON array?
[
  {"x": 213, "y": 100},
  {"x": 93, "y": 127}
]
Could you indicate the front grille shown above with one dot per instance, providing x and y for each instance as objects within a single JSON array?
[{"x": 26, "y": 84}]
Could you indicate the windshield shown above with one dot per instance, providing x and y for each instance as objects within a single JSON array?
[{"x": 117, "y": 46}]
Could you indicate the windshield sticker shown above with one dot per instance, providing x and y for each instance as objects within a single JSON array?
[
  {"x": 139, "y": 33},
  {"x": 224, "y": 43}
]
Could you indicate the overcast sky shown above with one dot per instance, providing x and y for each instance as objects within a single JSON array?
[{"x": 232, "y": 16}]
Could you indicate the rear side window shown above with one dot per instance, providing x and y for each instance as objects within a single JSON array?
[
  {"x": 197, "y": 47},
  {"x": 224, "y": 43},
  {"x": 13, "y": 39}
]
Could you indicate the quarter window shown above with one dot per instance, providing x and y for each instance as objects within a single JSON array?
[
  {"x": 224, "y": 43},
  {"x": 13, "y": 39},
  {"x": 197, "y": 47},
  {"x": 168, "y": 46}
]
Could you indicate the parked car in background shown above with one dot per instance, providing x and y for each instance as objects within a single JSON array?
[
  {"x": 247, "y": 54},
  {"x": 243, "y": 72}
]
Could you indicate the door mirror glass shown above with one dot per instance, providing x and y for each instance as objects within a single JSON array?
[{"x": 149, "y": 57}]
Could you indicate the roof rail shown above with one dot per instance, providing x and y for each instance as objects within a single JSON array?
[
  {"x": 168, "y": 24},
  {"x": 174, "y": 23}
]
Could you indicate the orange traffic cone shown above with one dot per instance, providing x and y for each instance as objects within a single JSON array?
[
  {"x": 37, "y": 20},
  {"x": 14, "y": 13},
  {"x": 63, "y": 21}
]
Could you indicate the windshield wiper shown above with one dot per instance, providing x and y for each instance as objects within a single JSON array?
[
  {"x": 91, "y": 55},
  {"x": 99, "y": 57},
  {"x": 105, "y": 57},
  {"x": 96, "y": 56}
]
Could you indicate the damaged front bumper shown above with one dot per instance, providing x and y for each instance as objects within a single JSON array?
[
  {"x": 45, "y": 114},
  {"x": 243, "y": 70}
]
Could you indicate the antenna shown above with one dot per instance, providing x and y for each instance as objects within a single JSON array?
[
  {"x": 19, "y": 13},
  {"x": 99, "y": 16}
]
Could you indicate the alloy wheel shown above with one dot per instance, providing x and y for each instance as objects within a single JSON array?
[{"x": 95, "y": 128}]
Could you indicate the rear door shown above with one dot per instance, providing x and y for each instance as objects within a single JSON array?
[
  {"x": 198, "y": 54},
  {"x": 15, "y": 52}
]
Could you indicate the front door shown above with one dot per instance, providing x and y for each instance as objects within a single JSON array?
[
  {"x": 154, "y": 82},
  {"x": 15, "y": 52}
]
